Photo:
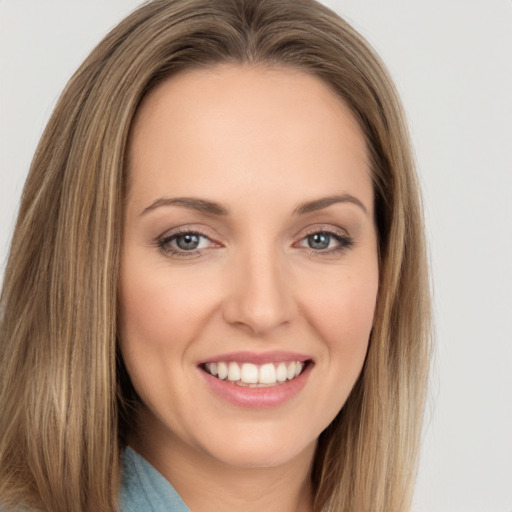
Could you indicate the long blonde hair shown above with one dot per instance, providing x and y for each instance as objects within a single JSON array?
[{"x": 64, "y": 395}]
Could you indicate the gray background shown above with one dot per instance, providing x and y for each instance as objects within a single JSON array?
[{"x": 452, "y": 61}]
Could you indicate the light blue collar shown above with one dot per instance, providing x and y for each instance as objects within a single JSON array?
[{"x": 144, "y": 489}]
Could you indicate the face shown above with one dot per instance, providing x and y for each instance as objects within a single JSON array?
[{"x": 249, "y": 268}]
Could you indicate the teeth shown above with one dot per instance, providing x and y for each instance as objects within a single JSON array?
[
  {"x": 233, "y": 372},
  {"x": 212, "y": 368},
  {"x": 251, "y": 374},
  {"x": 281, "y": 372},
  {"x": 267, "y": 374},
  {"x": 222, "y": 370}
]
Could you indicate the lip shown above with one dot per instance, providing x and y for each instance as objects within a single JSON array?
[
  {"x": 276, "y": 356},
  {"x": 257, "y": 398}
]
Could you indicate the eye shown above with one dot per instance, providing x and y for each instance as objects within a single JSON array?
[
  {"x": 319, "y": 241},
  {"x": 184, "y": 242},
  {"x": 188, "y": 241},
  {"x": 326, "y": 241}
]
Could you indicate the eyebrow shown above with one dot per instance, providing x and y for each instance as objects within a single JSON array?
[
  {"x": 192, "y": 203},
  {"x": 324, "y": 202},
  {"x": 213, "y": 208}
]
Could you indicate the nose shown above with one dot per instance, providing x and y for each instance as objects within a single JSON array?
[{"x": 260, "y": 297}]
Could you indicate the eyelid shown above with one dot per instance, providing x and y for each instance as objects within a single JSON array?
[
  {"x": 344, "y": 239},
  {"x": 196, "y": 229},
  {"x": 163, "y": 240},
  {"x": 322, "y": 228},
  {"x": 340, "y": 234}
]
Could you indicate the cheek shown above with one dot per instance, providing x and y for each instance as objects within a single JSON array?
[
  {"x": 343, "y": 317},
  {"x": 344, "y": 312},
  {"x": 158, "y": 306},
  {"x": 161, "y": 314}
]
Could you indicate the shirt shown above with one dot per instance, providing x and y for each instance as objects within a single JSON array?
[{"x": 144, "y": 489}]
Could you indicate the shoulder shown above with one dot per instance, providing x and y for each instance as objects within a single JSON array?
[{"x": 144, "y": 488}]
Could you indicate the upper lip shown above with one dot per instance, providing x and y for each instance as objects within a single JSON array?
[{"x": 276, "y": 356}]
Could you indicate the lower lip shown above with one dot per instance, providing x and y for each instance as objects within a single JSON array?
[{"x": 257, "y": 398}]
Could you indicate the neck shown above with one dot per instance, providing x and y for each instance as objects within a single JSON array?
[{"x": 280, "y": 488}]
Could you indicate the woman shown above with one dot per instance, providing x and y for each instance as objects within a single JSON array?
[{"x": 217, "y": 279}]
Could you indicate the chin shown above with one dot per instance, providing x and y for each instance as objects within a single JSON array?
[{"x": 259, "y": 449}]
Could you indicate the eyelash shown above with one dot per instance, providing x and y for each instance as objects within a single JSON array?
[
  {"x": 345, "y": 242},
  {"x": 164, "y": 243}
]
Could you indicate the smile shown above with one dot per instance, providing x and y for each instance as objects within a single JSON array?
[
  {"x": 253, "y": 375},
  {"x": 257, "y": 380}
]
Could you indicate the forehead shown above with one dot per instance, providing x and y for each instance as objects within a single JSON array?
[{"x": 246, "y": 128}]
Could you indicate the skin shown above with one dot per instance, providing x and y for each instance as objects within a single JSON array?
[{"x": 259, "y": 142}]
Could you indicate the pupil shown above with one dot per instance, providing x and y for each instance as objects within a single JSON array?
[
  {"x": 318, "y": 241},
  {"x": 187, "y": 242}
]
